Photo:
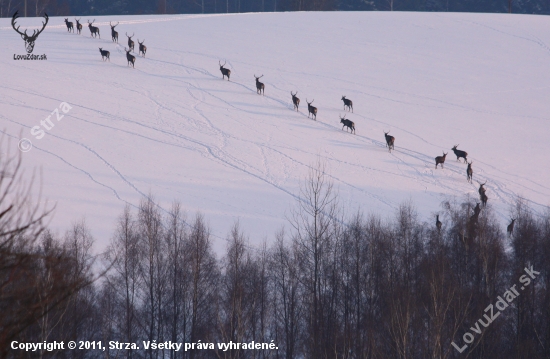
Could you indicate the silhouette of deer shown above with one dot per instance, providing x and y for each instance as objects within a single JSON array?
[
  {"x": 130, "y": 58},
  {"x": 295, "y": 100},
  {"x": 105, "y": 55},
  {"x": 78, "y": 26},
  {"x": 390, "y": 140},
  {"x": 94, "y": 31},
  {"x": 438, "y": 223},
  {"x": 260, "y": 87},
  {"x": 311, "y": 109},
  {"x": 469, "y": 172},
  {"x": 482, "y": 195},
  {"x": 510, "y": 228},
  {"x": 114, "y": 34},
  {"x": 347, "y": 123},
  {"x": 142, "y": 48},
  {"x": 460, "y": 154},
  {"x": 69, "y": 25},
  {"x": 29, "y": 40},
  {"x": 130, "y": 42},
  {"x": 440, "y": 160},
  {"x": 347, "y": 103},
  {"x": 225, "y": 71}
]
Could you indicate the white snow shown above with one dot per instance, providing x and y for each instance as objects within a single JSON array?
[{"x": 171, "y": 127}]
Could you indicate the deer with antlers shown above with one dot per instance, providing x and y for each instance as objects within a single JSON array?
[
  {"x": 130, "y": 58},
  {"x": 311, "y": 109},
  {"x": 142, "y": 48},
  {"x": 69, "y": 25},
  {"x": 114, "y": 34},
  {"x": 94, "y": 31},
  {"x": 295, "y": 100},
  {"x": 225, "y": 71},
  {"x": 130, "y": 42},
  {"x": 29, "y": 40},
  {"x": 78, "y": 25},
  {"x": 347, "y": 123},
  {"x": 389, "y": 140},
  {"x": 260, "y": 87}
]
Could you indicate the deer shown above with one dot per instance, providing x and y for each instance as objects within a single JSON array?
[
  {"x": 225, "y": 71},
  {"x": 105, "y": 55},
  {"x": 510, "y": 228},
  {"x": 440, "y": 160},
  {"x": 469, "y": 172},
  {"x": 438, "y": 223},
  {"x": 295, "y": 100},
  {"x": 460, "y": 154},
  {"x": 311, "y": 109},
  {"x": 69, "y": 25},
  {"x": 347, "y": 123},
  {"x": 142, "y": 48},
  {"x": 114, "y": 34},
  {"x": 78, "y": 26},
  {"x": 482, "y": 195},
  {"x": 130, "y": 58},
  {"x": 94, "y": 31},
  {"x": 347, "y": 103},
  {"x": 130, "y": 42},
  {"x": 259, "y": 85},
  {"x": 29, "y": 40},
  {"x": 390, "y": 140}
]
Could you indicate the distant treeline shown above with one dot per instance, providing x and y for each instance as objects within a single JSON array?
[
  {"x": 331, "y": 286},
  {"x": 139, "y": 7}
]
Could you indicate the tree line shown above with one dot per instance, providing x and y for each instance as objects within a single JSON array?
[
  {"x": 139, "y": 7},
  {"x": 329, "y": 286}
]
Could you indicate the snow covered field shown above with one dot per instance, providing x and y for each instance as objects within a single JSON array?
[{"x": 173, "y": 128}]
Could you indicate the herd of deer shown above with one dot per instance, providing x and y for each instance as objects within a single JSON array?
[
  {"x": 312, "y": 110},
  {"x": 105, "y": 55}
]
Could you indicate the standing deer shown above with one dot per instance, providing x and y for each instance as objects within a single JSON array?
[
  {"x": 460, "y": 154},
  {"x": 438, "y": 223},
  {"x": 347, "y": 123},
  {"x": 440, "y": 160},
  {"x": 510, "y": 228},
  {"x": 114, "y": 34},
  {"x": 469, "y": 172},
  {"x": 311, "y": 110},
  {"x": 347, "y": 103},
  {"x": 130, "y": 58},
  {"x": 142, "y": 48},
  {"x": 482, "y": 195},
  {"x": 29, "y": 40},
  {"x": 259, "y": 86},
  {"x": 69, "y": 25},
  {"x": 390, "y": 140},
  {"x": 130, "y": 42},
  {"x": 94, "y": 31},
  {"x": 225, "y": 71},
  {"x": 295, "y": 100},
  {"x": 78, "y": 26},
  {"x": 105, "y": 55}
]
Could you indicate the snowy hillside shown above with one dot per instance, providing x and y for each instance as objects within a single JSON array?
[{"x": 172, "y": 127}]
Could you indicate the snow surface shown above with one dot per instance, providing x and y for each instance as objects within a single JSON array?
[{"x": 173, "y": 128}]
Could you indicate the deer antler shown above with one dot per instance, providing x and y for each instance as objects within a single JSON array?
[
  {"x": 43, "y": 26},
  {"x": 15, "y": 16}
]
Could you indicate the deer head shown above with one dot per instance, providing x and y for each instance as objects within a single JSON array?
[{"x": 29, "y": 40}]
